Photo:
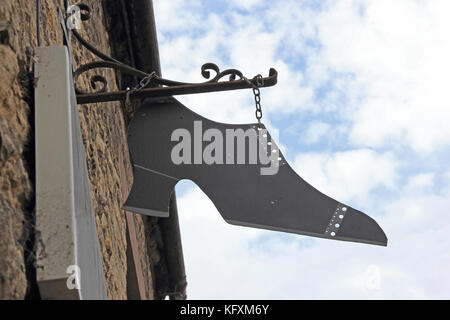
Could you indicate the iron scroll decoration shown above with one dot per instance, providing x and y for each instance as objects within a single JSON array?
[
  {"x": 282, "y": 202},
  {"x": 164, "y": 87},
  {"x": 171, "y": 87}
]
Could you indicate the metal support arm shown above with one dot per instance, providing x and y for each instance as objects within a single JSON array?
[
  {"x": 178, "y": 89},
  {"x": 160, "y": 87}
]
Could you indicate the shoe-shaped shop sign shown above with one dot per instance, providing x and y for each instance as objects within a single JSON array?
[{"x": 239, "y": 167}]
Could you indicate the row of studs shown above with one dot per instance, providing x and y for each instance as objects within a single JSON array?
[
  {"x": 272, "y": 145},
  {"x": 336, "y": 220}
]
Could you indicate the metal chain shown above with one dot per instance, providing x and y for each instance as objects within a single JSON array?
[
  {"x": 142, "y": 84},
  {"x": 259, "y": 82}
]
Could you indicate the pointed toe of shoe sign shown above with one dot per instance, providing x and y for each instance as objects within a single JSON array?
[{"x": 241, "y": 170}]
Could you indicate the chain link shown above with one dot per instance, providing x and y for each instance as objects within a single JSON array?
[
  {"x": 142, "y": 84},
  {"x": 258, "y": 82}
]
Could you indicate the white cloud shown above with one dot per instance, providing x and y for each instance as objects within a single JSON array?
[
  {"x": 178, "y": 15},
  {"x": 399, "y": 56},
  {"x": 291, "y": 94},
  {"x": 422, "y": 180},
  {"x": 247, "y": 5},
  {"x": 348, "y": 175},
  {"x": 247, "y": 45},
  {"x": 446, "y": 182},
  {"x": 316, "y": 131},
  {"x": 385, "y": 66}
]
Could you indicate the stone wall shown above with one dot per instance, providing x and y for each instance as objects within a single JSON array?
[{"x": 103, "y": 130}]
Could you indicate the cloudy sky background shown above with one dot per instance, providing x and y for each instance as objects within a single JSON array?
[{"x": 362, "y": 109}]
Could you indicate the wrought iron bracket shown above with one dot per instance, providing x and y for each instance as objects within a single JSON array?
[
  {"x": 160, "y": 87},
  {"x": 178, "y": 89}
]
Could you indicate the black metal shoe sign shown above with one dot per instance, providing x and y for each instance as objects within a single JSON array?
[{"x": 240, "y": 168}]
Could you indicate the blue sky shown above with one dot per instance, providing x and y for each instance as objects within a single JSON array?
[{"x": 362, "y": 113}]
